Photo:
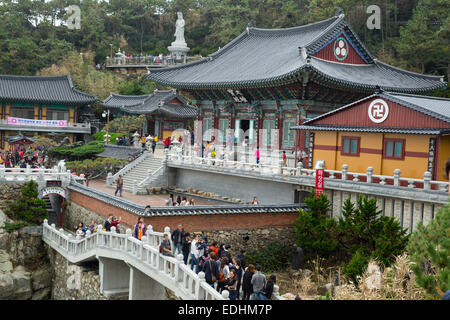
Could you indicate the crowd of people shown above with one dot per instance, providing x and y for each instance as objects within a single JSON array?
[
  {"x": 22, "y": 157},
  {"x": 179, "y": 202},
  {"x": 112, "y": 221},
  {"x": 223, "y": 271}
]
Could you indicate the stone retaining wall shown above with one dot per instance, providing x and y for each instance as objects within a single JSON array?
[
  {"x": 258, "y": 237},
  {"x": 73, "y": 282},
  {"x": 9, "y": 191},
  {"x": 25, "y": 272}
]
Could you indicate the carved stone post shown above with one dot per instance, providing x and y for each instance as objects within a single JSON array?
[
  {"x": 369, "y": 174},
  {"x": 344, "y": 171},
  {"x": 148, "y": 233},
  {"x": 299, "y": 169},
  {"x": 109, "y": 179},
  {"x": 178, "y": 274},
  {"x": 397, "y": 177},
  {"x": 427, "y": 180}
]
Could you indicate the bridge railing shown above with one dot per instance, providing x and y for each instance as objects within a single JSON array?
[
  {"x": 176, "y": 156},
  {"x": 146, "y": 251}
]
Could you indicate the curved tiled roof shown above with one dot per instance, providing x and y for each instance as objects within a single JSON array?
[
  {"x": 118, "y": 101},
  {"x": 435, "y": 107},
  {"x": 40, "y": 89},
  {"x": 264, "y": 57},
  {"x": 119, "y": 152},
  {"x": 156, "y": 103},
  {"x": 322, "y": 127}
]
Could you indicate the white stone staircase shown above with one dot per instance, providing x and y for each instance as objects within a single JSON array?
[{"x": 141, "y": 172}]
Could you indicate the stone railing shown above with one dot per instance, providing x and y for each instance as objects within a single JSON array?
[
  {"x": 176, "y": 156},
  {"x": 145, "y": 61},
  {"x": 137, "y": 187},
  {"x": 110, "y": 179},
  {"x": 27, "y": 174},
  {"x": 144, "y": 255}
]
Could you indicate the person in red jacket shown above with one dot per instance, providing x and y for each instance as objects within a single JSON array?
[
  {"x": 215, "y": 248},
  {"x": 167, "y": 143}
]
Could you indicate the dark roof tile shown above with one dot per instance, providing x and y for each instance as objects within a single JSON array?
[
  {"x": 261, "y": 57},
  {"x": 52, "y": 90}
]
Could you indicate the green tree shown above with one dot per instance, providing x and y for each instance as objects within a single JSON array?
[
  {"x": 429, "y": 248},
  {"x": 314, "y": 228},
  {"x": 28, "y": 208},
  {"x": 363, "y": 234}
]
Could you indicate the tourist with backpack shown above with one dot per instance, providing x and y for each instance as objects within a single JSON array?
[{"x": 211, "y": 269}]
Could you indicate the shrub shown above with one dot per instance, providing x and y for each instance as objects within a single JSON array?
[
  {"x": 429, "y": 249},
  {"x": 273, "y": 258},
  {"x": 78, "y": 150},
  {"x": 11, "y": 227},
  {"x": 29, "y": 208},
  {"x": 315, "y": 229},
  {"x": 357, "y": 265},
  {"x": 100, "y": 136},
  {"x": 363, "y": 234}
]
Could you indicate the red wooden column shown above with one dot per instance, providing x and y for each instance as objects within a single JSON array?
[{"x": 437, "y": 158}]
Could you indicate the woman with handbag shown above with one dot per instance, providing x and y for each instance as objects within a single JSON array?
[{"x": 211, "y": 269}]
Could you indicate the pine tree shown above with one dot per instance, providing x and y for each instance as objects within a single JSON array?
[
  {"x": 29, "y": 208},
  {"x": 429, "y": 248},
  {"x": 314, "y": 228}
]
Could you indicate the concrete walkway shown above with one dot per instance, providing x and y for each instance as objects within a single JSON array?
[{"x": 153, "y": 200}]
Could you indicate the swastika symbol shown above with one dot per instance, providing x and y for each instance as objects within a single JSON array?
[{"x": 378, "y": 111}]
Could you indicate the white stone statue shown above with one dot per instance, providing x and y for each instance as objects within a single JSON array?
[
  {"x": 136, "y": 139},
  {"x": 179, "y": 46},
  {"x": 179, "y": 32},
  {"x": 62, "y": 166}
]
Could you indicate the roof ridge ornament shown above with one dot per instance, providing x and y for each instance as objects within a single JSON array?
[
  {"x": 339, "y": 12},
  {"x": 303, "y": 52}
]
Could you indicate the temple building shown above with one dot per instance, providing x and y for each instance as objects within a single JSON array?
[
  {"x": 166, "y": 111},
  {"x": 386, "y": 131},
  {"x": 267, "y": 81},
  {"x": 49, "y": 106}
]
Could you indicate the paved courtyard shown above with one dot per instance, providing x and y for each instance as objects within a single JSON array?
[{"x": 153, "y": 200}]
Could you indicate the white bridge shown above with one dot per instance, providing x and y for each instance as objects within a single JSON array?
[{"x": 129, "y": 264}]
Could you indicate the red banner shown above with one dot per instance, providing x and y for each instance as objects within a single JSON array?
[{"x": 319, "y": 182}]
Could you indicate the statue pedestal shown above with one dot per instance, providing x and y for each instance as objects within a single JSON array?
[{"x": 180, "y": 50}]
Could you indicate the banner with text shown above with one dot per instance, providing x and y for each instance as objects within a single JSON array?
[
  {"x": 37, "y": 123},
  {"x": 319, "y": 182}
]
